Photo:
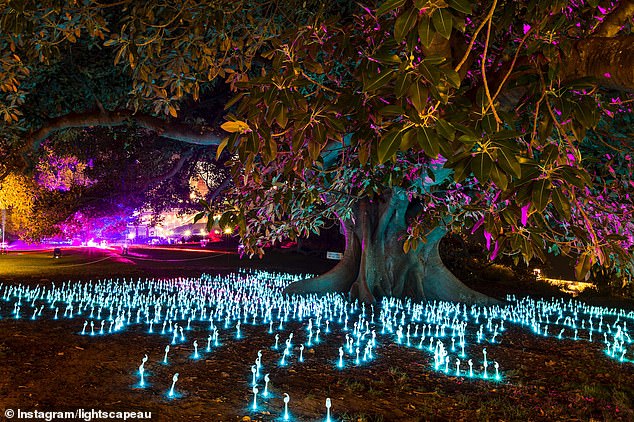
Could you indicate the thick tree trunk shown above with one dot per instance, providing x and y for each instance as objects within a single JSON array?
[{"x": 374, "y": 264}]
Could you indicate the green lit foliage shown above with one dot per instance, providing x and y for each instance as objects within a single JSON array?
[{"x": 488, "y": 116}]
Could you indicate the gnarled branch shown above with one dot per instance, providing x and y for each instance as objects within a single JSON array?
[{"x": 171, "y": 130}]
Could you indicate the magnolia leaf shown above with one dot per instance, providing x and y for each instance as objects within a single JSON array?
[
  {"x": 404, "y": 24},
  {"x": 463, "y": 6},
  {"x": 418, "y": 93},
  {"x": 377, "y": 82},
  {"x": 582, "y": 268},
  {"x": 445, "y": 129},
  {"x": 389, "y": 5},
  {"x": 498, "y": 177},
  {"x": 561, "y": 203},
  {"x": 389, "y": 145},
  {"x": 540, "y": 194},
  {"x": 403, "y": 81},
  {"x": 481, "y": 166},
  {"x": 429, "y": 141},
  {"x": 508, "y": 162},
  {"x": 442, "y": 19},
  {"x": 425, "y": 31},
  {"x": 236, "y": 126}
]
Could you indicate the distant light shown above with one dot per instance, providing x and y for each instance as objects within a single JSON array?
[
  {"x": 188, "y": 232},
  {"x": 203, "y": 232},
  {"x": 217, "y": 231},
  {"x": 131, "y": 236},
  {"x": 228, "y": 230}
]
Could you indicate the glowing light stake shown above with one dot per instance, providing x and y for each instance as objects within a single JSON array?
[
  {"x": 340, "y": 364},
  {"x": 286, "y": 400},
  {"x": 497, "y": 370},
  {"x": 277, "y": 340},
  {"x": 301, "y": 353},
  {"x": 196, "y": 356},
  {"x": 328, "y": 405},
  {"x": 167, "y": 349},
  {"x": 141, "y": 372},
  {"x": 283, "y": 361},
  {"x": 83, "y": 331},
  {"x": 209, "y": 343},
  {"x": 255, "y": 397},
  {"x": 470, "y": 368},
  {"x": 174, "y": 379},
  {"x": 254, "y": 378},
  {"x": 266, "y": 385}
]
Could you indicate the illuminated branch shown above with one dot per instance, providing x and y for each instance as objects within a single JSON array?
[{"x": 171, "y": 130}]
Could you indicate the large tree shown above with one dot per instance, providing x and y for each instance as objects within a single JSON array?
[{"x": 403, "y": 119}]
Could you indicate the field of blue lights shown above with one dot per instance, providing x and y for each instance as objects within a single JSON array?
[{"x": 207, "y": 313}]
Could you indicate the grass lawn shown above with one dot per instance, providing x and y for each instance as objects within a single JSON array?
[{"x": 48, "y": 365}]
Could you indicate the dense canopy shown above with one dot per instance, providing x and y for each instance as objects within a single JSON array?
[{"x": 407, "y": 117}]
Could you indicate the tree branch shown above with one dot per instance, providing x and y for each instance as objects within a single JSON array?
[
  {"x": 609, "y": 60},
  {"x": 169, "y": 174},
  {"x": 171, "y": 130},
  {"x": 614, "y": 20}
]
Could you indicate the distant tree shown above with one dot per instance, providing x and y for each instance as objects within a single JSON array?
[{"x": 402, "y": 119}]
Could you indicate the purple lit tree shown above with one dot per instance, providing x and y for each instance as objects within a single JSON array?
[{"x": 402, "y": 120}]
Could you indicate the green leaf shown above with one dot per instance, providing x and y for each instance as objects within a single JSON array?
[
  {"x": 389, "y": 5},
  {"x": 462, "y": 169},
  {"x": 429, "y": 141},
  {"x": 442, "y": 19},
  {"x": 505, "y": 134},
  {"x": 540, "y": 194},
  {"x": 582, "y": 268},
  {"x": 389, "y": 145},
  {"x": 445, "y": 129},
  {"x": 417, "y": 93},
  {"x": 409, "y": 138},
  {"x": 198, "y": 216},
  {"x": 481, "y": 167},
  {"x": 562, "y": 204},
  {"x": 392, "y": 110},
  {"x": 550, "y": 154},
  {"x": 508, "y": 162},
  {"x": 453, "y": 78},
  {"x": 429, "y": 72},
  {"x": 403, "y": 81},
  {"x": 586, "y": 113},
  {"x": 425, "y": 31},
  {"x": 463, "y": 6},
  {"x": 380, "y": 80},
  {"x": 314, "y": 148},
  {"x": 568, "y": 174},
  {"x": 404, "y": 24},
  {"x": 498, "y": 177}
]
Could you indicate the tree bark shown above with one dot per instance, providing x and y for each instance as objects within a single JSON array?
[
  {"x": 609, "y": 60},
  {"x": 374, "y": 264},
  {"x": 167, "y": 129}
]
